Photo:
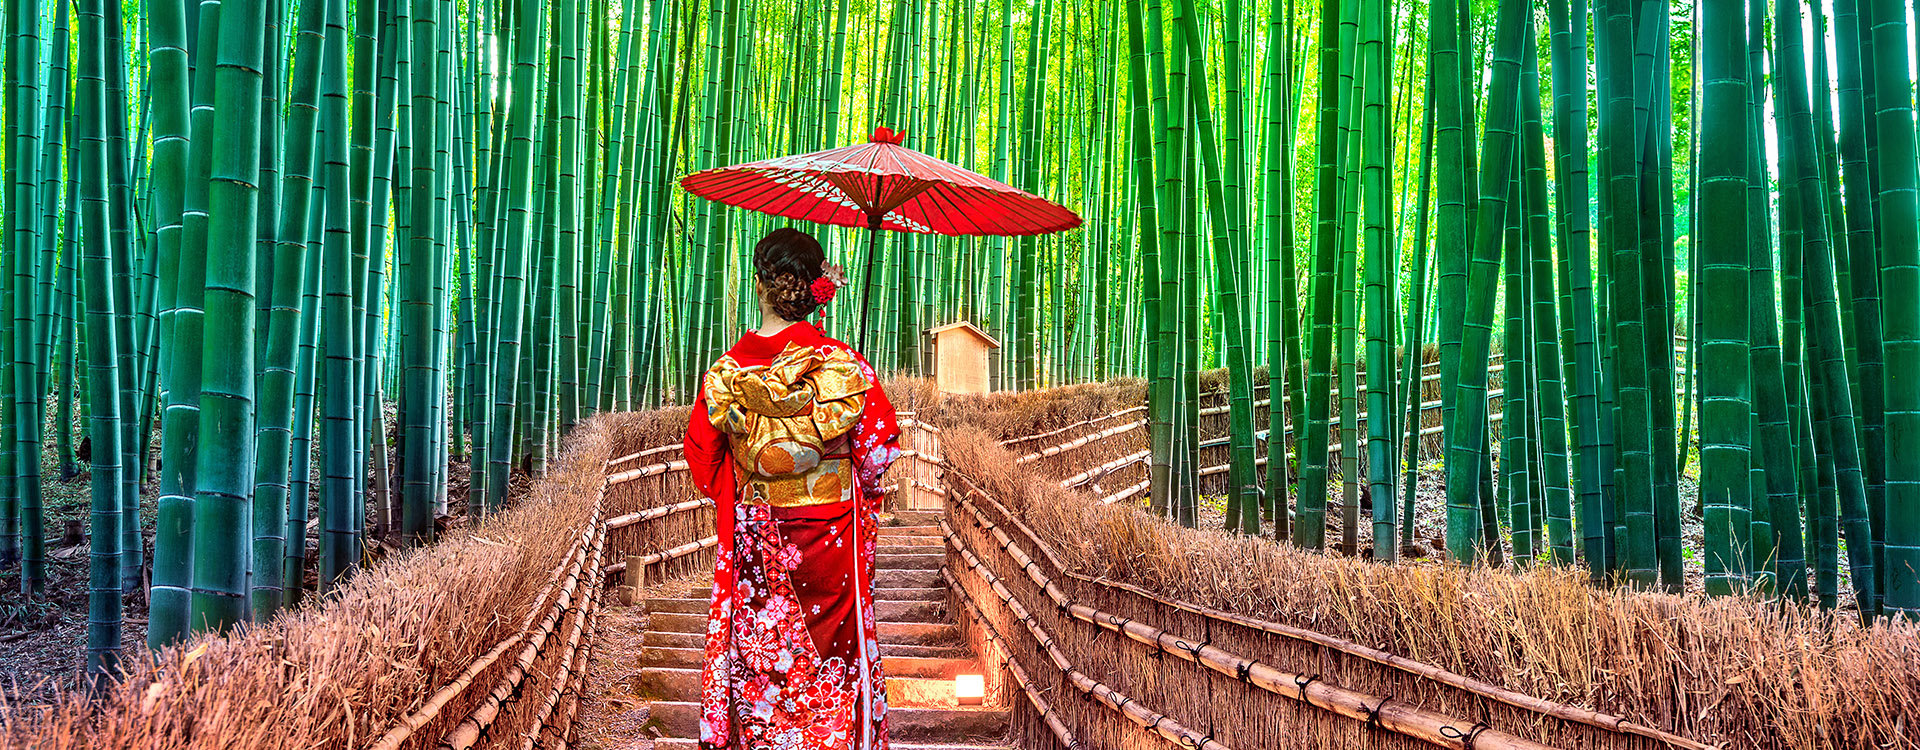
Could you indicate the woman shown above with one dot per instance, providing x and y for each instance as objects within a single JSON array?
[{"x": 789, "y": 435}]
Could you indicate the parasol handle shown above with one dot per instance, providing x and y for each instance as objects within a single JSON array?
[{"x": 866, "y": 281}]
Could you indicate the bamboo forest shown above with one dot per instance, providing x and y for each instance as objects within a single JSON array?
[{"x": 305, "y": 297}]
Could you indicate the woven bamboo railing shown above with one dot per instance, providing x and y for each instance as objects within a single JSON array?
[
  {"x": 572, "y": 589},
  {"x": 658, "y": 519},
  {"x": 1493, "y": 717}
]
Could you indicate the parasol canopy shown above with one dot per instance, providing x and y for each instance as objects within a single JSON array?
[{"x": 881, "y": 184}]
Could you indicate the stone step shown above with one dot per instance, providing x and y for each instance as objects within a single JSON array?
[
  {"x": 681, "y": 719},
  {"x": 892, "y": 611},
  {"x": 923, "y": 561},
  {"x": 922, "y": 633},
  {"x": 928, "y": 652},
  {"x": 677, "y": 606},
  {"x": 912, "y": 540},
  {"x": 680, "y": 744},
  {"x": 933, "y": 594},
  {"x": 892, "y": 666},
  {"x": 683, "y": 683},
  {"x": 914, "y": 517},
  {"x": 936, "y": 650},
  {"x": 927, "y": 529},
  {"x": 926, "y": 605},
  {"x": 895, "y": 547},
  {"x": 916, "y": 578}
]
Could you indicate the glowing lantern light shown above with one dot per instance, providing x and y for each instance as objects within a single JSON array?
[{"x": 970, "y": 689}]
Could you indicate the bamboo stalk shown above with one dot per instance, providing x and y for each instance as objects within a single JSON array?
[
  {"x": 1105, "y": 469},
  {"x": 1010, "y": 442},
  {"x": 650, "y": 470},
  {"x": 643, "y": 454}
]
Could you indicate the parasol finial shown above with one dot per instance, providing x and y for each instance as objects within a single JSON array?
[{"x": 884, "y": 134}]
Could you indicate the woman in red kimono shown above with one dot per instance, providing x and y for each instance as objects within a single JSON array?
[{"x": 789, "y": 435}]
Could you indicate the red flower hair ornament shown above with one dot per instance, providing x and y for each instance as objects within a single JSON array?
[{"x": 829, "y": 283}]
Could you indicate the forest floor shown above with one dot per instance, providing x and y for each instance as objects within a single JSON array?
[{"x": 43, "y": 640}]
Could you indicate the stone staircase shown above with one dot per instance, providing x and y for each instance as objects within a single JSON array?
[{"x": 920, "y": 648}]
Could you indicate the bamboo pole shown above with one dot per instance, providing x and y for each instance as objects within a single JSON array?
[
  {"x": 1055, "y": 450},
  {"x": 621, "y": 522},
  {"x": 642, "y": 454},
  {"x": 650, "y": 470},
  {"x": 664, "y": 555}
]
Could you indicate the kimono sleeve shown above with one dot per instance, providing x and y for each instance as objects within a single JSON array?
[
  {"x": 706, "y": 452},
  {"x": 876, "y": 439}
]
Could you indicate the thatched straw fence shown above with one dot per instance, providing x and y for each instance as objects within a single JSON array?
[
  {"x": 1111, "y": 599},
  {"x": 658, "y": 526},
  {"x": 1114, "y": 424},
  {"x": 480, "y": 640}
]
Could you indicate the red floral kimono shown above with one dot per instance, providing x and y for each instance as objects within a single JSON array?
[{"x": 789, "y": 435}]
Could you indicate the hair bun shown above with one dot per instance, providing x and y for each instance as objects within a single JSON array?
[{"x": 787, "y": 261}]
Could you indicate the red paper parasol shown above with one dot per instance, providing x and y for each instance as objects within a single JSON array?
[{"x": 881, "y": 185}]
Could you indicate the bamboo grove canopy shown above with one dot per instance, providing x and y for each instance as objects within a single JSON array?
[{"x": 239, "y": 232}]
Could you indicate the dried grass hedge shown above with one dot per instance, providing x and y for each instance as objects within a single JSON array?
[
  {"x": 1731, "y": 672},
  {"x": 341, "y": 674}
]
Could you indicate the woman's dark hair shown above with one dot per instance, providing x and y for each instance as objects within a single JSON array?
[{"x": 787, "y": 261}]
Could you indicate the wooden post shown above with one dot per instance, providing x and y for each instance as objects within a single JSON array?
[{"x": 634, "y": 584}]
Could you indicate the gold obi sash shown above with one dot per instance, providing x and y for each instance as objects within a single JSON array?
[{"x": 789, "y": 423}]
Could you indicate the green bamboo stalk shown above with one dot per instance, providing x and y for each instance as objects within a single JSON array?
[
  {"x": 340, "y": 541},
  {"x": 1899, "y": 214},
  {"x": 181, "y": 173},
  {"x": 1725, "y": 404},
  {"x": 421, "y": 368},
  {"x": 23, "y": 241},
  {"x": 1466, "y": 450},
  {"x": 513, "y": 278},
  {"x": 1381, "y": 263},
  {"x": 1631, "y": 436},
  {"x": 224, "y": 475},
  {"x": 1310, "y": 521},
  {"x": 104, "y": 576},
  {"x": 286, "y": 318}
]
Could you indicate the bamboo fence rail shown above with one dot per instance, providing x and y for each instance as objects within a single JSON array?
[
  {"x": 565, "y": 579},
  {"x": 1412, "y": 706},
  {"x": 474, "y": 727},
  {"x": 992, "y": 640}
]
